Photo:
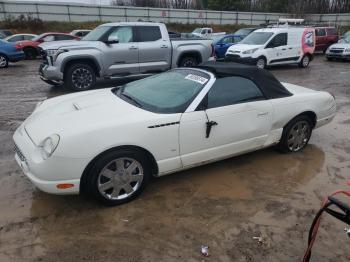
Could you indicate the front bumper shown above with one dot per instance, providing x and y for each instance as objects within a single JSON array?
[
  {"x": 49, "y": 72},
  {"x": 239, "y": 59},
  {"x": 47, "y": 174},
  {"x": 338, "y": 55}
]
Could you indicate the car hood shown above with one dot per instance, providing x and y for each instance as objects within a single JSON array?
[
  {"x": 80, "y": 113},
  {"x": 341, "y": 45},
  {"x": 67, "y": 44},
  {"x": 242, "y": 47}
]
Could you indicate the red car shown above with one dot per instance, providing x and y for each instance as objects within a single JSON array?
[
  {"x": 325, "y": 36},
  {"x": 30, "y": 47}
]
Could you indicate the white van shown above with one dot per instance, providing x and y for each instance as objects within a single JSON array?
[{"x": 275, "y": 46}]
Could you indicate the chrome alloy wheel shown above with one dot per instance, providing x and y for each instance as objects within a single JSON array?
[
  {"x": 82, "y": 78},
  {"x": 120, "y": 178},
  {"x": 298, "y": 136},
  {"x": 3, "y": 61}
]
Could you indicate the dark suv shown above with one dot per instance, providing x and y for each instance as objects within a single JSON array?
[{"x": 325, "y": 36}]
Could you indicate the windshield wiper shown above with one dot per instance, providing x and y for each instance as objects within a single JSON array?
[{"x": 131, "y": 99}]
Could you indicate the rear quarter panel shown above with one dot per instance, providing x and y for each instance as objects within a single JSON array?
[
  {"x": 285, "y": 109},
  {"x": 180, "y": 47}
]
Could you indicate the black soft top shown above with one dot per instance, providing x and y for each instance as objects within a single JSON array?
[{"x": 268, "y": 84}]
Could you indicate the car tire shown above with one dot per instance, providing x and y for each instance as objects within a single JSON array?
[
  {"x": 305, "y": 61},
  {"x": 261, "y": 63},
  {"x": 329, "y": 59},
  {"x": 30, "y": 53},
  {"x": 296, "y": 135},
  {"x": 80, "y": 77},
  {"x": 4, "y": 61},
  {"x": 109, "y": 180},
  {"x": 188, "y": 61}
]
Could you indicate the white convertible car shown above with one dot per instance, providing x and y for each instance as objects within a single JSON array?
[{"x": 109, "y": 142}]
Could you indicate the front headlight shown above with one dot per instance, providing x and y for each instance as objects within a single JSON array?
[
  {"x": 347, "y": 50},
  {"x": 251, "y": 51},
  {"x": 54, "y": 53},
  {"x": 49, "y": 145}
]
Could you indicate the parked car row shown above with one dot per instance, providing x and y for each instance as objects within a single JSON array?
[
  {"x": 278, "y": 53},
  {"x": 28, "y": 44}
]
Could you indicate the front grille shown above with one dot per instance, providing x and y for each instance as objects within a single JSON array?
[
  {"x": 233, "y": 56},
  {"x": 336, "y": 51},
  {"x": 42, "y": 52},
  {"x": 19, "y": 153}
]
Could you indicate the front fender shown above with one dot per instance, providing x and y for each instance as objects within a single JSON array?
[{"x": 93, "y": 55}]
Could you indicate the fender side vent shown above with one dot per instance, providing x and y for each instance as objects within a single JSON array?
[{"x": 166, "y": 124}]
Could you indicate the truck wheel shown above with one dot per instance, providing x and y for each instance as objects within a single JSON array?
[
  {"x": 261, "y": 63},
  {"x": 305, "y": 61},
  {"x": 4, "y": 62},
  {"x": 188, "y": 61},
  {"x": 80, "y": 77},
  {"x": 30, "y": 53}
]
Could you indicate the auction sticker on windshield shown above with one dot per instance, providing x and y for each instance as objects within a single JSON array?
[{"x": 198, "y": 79}]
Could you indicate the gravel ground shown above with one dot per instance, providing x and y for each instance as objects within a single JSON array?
[{"x": 222, "y": 205}]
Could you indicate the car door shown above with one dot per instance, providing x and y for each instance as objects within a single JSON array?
[
  {"x": 277, "y": 50},
  {"x": 223, "y": 45},
  {"x": 321, "y": 39},
  {"x": 233, "y": 118},
  {"x": 121, "y": 57},
  {"x": 154, "y": 49}
]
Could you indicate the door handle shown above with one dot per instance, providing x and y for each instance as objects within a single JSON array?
[
  {"x": 290, "y": 48},
  {"x": 164, "y": 46},
  {"x": 263, "y": 114},
  {"x": 283, "y": 49},
  {"x": 132, "y": 48},
  {"x": 210, "y": 124}
]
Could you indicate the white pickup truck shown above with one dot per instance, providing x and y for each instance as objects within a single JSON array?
[
  {"x": 119, "y": 50},
  {"x": 206, "y": 32}
]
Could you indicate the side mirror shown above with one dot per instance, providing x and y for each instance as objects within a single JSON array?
[{"x": 112, "y": 40}]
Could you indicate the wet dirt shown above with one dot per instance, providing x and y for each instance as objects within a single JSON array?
[{"x": 223, "y": 205}]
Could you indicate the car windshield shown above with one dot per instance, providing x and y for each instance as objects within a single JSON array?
[
  {"x": 197, "y": 31},
  {"x": 257, "y": 38},
  {"x": 169, "y": 92},
  {"x": 347, "y": 39},
  {"x": 38, "y": 37},
  {"x": 217, "y": 39},
  {"x": 243, "y": 31},
  {"x": 96, "y": 34}
]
